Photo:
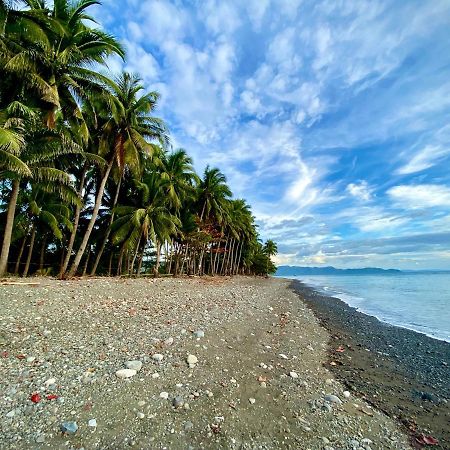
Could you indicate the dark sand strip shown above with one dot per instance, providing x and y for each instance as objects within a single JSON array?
[{"x": 403, "y": 373}]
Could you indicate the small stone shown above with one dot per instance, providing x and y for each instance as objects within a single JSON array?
[
  {"x": 157, "y": 357},
  {"x": 192, "y": 360},
  {"x": 155, "y": 375},
  {"x": 366, "y": 441},
  {"x": 141, "y": 403},
  {"x": 11, "y": 414},
  {"x": 252, "y": 400},
  {"x": 293, "y": 375},
  {"x": 199, "y": 334},
  {"x": 126, "y": 373},
  {"x": 263, "y": 384},
  {"x": 188, "y": 425},
  {"x": 164, "y": 395},
  {"x": 283, "y": 356},
  {"x": 134, "y": 365},
  {"x": 169, "y": 341},
  {"x": 69, "y": 427},
  {"x": 177, "y": 402},
  {"x": 140, "y": 415},
  {"x": 346, "y": 394},
  {"x": 40, "y": 439},
  {"x": 30, "y": 359},
  {"x": 50, "y": 381},
  {"x": 332, "y": 399},
  {"x": 92, "y": 423}
]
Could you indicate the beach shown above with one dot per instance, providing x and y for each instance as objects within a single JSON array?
[
  {"x": 399, "y": 371},
  {"x": 212, "y": 363}
]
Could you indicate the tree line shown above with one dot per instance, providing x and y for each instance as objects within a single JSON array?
[{"x": 89, "y": 183}]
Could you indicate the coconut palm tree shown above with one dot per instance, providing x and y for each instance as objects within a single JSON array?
[
  {"x": 149, "y": 219},
  {"x": 124, "y": 139}
]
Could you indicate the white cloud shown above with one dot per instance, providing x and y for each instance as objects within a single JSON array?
[
  {"x": 424, "y": 159},
  {"x": 360, "y": 190},
  {"x": 420, "y": 196}
]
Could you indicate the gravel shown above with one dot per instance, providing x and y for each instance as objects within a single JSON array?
[{"x": 82, "y": 333}]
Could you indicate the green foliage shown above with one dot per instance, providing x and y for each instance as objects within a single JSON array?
[{"x": 85, "y": 164}]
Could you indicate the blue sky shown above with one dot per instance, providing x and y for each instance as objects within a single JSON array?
[{"x": 332, "y": 118}]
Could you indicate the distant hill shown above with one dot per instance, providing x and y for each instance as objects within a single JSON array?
[{"x": 293, "y": 271}]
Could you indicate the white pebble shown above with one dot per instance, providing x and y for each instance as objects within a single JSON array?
[
  {"x": 92, "y": 423},
  {"x": 126, "y": 373},
  {"x": 293, "y": 374},
  {"x": 158, "y": 357},
  {"x": 164, "y": 395}
]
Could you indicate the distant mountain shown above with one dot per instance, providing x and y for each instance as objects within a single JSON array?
[{"x": 286, "y": 271}]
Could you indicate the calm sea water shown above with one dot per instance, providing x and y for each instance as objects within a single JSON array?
[{"x": 420, "y": 302}]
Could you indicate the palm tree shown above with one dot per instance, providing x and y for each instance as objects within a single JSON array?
[
  {"x": 124, "y": 139},
  {"x": 150, "y": 219},
  {"x": 43, "y": 147}
]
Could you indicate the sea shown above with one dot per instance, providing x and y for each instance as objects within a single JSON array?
[{"x": 417, "y": 301}]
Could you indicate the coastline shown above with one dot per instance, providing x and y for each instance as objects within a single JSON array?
[
  {"x": 400, "y": 371},
  {"x": 259, "y": 378}
]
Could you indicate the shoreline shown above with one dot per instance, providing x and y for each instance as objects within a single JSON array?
[
  {"x": 400, "y": 371},
  {"x": 384, "y": 321}
]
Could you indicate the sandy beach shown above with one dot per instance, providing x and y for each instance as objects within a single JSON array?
[{"x": 260, "y": 377}]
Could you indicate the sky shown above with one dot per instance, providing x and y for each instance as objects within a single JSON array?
[{"x": 330, "y": 117}]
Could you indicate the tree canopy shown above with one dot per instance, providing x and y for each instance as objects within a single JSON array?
[{"x": 89, "y": 181}]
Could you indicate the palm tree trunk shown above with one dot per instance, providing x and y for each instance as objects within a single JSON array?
[
  {"x": 184, "y": 259},
  {"x": 87, "y": 262},
  {"x": 19, "y": 256},
  {"x": 73, "y": 234},
  {"x": 41, "y": 257},
  {"x": 90, "y": 227},
  {"x": 30, "y": 251},
  {"x": 108, "y": 231},
  {"x": 224, "y": 257},
  {"x": 8, "y": 227},
  {"x": 119, "y": 262},
  {"x": 158, "y": 257},
  {"x": 135, "y": 253},
  {"x": 110, "y": 263},
  {"x": 141, "y": 258}
]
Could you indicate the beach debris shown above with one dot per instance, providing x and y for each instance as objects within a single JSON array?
[
  {"x": 164, "y": 395},
  {"x": 293, "y": 375},
  {"x": 134, "y": 365},
  {"x": 427, "y": 440},
  {"x": 126, "y": 373},
  {"x": 340, "y": 349},
  {"x": 157, "y": 357},
  {"x": 51, "y": 397},
  {"x": 346, "y": 394},
  {"x": 35, "y": 398},
  {"x": 69, "y": 427},
  {"x": 283, "y": 356}
]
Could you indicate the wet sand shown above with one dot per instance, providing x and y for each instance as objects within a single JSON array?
[{"x": 404, "y": 373}]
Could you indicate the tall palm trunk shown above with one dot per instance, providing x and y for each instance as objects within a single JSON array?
[
  {"x": 90, "y": 227},
  {"x": 108, "y": 231},
  {"x": 86, "y": 262},
  {"x": 158, "y": 258},
  {"x": 8, "y": 228},
  {"x": 30, "y": 251},
  {"x": 73, "y": 234},
  {"x": 19, "y": 256},
  {"x": 135, "y": 254},
  {"x": 42, "y": 255}
]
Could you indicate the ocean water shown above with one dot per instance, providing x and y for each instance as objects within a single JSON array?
[{"x": 420, "y": 302}]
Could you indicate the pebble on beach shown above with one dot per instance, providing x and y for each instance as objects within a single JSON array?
[
  {"x": 69, "y": 427},
  {"x": 157, "y": 357},
  {"x": 134, "y": 365},
  {"x": 192, "y": 360},
  {"x": 126, "y": 373}
]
